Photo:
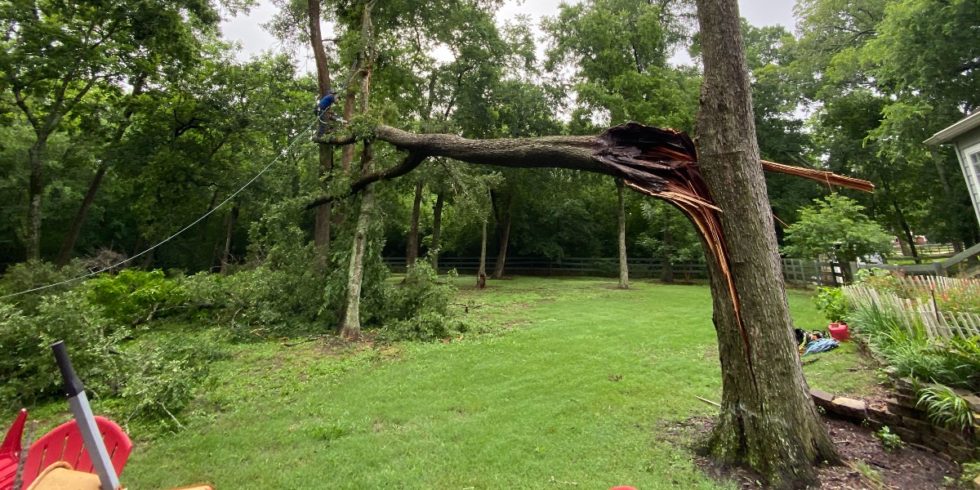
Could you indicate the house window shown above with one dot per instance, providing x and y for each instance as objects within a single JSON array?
[{"x": 972, "y": 174}]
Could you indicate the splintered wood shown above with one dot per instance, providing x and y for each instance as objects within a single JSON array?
[{"x": 663, "y": 163}]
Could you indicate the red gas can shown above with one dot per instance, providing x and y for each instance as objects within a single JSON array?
[{"x": 839, "y": 331}]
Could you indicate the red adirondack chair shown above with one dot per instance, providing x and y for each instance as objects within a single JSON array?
[
  {"x": 64, "y": 443},
  {"x": 10, "y": 451}
]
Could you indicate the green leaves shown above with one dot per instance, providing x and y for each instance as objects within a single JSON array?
[
  {"x": 835, "y": 226},
  {"x": 617, "y": 50}
]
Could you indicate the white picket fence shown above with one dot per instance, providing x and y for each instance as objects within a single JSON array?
[{"x": 922, "y": 312}]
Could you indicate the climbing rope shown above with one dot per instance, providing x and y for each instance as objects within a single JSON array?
[{"x": 211, "y": 211}]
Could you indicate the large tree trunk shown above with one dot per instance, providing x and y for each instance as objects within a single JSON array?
[
  {"x": 903, "y": 224},
  {"x": 321, "y": 227},
  {"x": 229, "y": 234},
  {"x": 68, "y": 244},
  {"x": 481, "y": 273},
  {"x": 767, "y": 418},
  {"x": 948, "y": 197},
  {"x": 436, "y": 231},
  {"x": 412, "y": 248},
  {"x": 35, "y": 190},
  {"x": 624, "y": 273},
  {"x": 667, "y": 273},
  {"x": 502, "y": 211},
  {"x": 351, "y": 327}
]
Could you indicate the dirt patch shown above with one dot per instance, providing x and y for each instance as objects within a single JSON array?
[{"x": 867, "y": 465}]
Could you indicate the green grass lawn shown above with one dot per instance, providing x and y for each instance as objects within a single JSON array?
[{"x": 570, "y": 385}]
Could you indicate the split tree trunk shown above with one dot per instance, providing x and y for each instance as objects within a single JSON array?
[
  {"x": 767, "y": 418},
  {"x": 585, "y": 153},
  {"x": 412, "y": 248},
  {"x": 624, "y": 273},
  {"x": 436, "y": 231}
]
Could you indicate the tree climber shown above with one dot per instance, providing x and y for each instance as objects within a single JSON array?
[{"x": 322, "y": 111}]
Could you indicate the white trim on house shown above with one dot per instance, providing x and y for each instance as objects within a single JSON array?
[
  {"x": 964, "y": 135},
  {"x": 960, "y": 127}
]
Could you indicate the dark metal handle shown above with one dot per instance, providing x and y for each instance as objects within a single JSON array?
[{"x": 73, "y": 385}]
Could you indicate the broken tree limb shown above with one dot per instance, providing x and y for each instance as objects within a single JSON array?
[
  {"x": 641, "y": 155},
  {"x": 411, "y": 161},
  {"x": 829, "y": 178}
]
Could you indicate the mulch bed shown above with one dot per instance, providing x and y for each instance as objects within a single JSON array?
[{"x": 906, "y": 468}]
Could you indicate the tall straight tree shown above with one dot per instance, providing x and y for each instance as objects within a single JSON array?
[
  {"x": 624, "y": 273},
  {"x": 350, "y": 328},
  {"x": 767, "y": 418},
  {"x": 321, "y": 227}
]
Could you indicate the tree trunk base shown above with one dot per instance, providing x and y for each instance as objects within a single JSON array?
[{"x": 769, "y": 449}]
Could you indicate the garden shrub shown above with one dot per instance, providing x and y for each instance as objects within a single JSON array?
[
  {"x": 830, "y": 300},
  {"x": 889, "y": 440},
  {"x": 944, "y": 407}
]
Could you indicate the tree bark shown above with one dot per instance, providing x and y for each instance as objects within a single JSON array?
[
  {"x": 481, "y": 273},
  {"x": 35, "y": 190},
  {"x": 351, "y": 326},
  {"x": 68, "y": 244},
  {"x": 434, "y": 250},
  {"x": 767, "y": 419},
  {"x": 322, "y": 222},
  {"x": 502, "y": 212},
  {"x": 667, "y": 273},
  {"x": 903, "y": 224},
  {"x": 229, "y": 234},
  {"x": 624, "y": 274},
  {"x": 412, "y": 248}
]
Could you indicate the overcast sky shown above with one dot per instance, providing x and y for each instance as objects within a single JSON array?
[{"x": 247, "y": 29}]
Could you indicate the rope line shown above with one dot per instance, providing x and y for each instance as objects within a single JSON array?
[{"x": 178, "y": 232}]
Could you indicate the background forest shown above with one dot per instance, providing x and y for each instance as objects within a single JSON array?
[{"x": 120, "y": 129}]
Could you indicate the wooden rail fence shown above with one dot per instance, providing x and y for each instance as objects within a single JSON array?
[{"x": 795, "y": 271}]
